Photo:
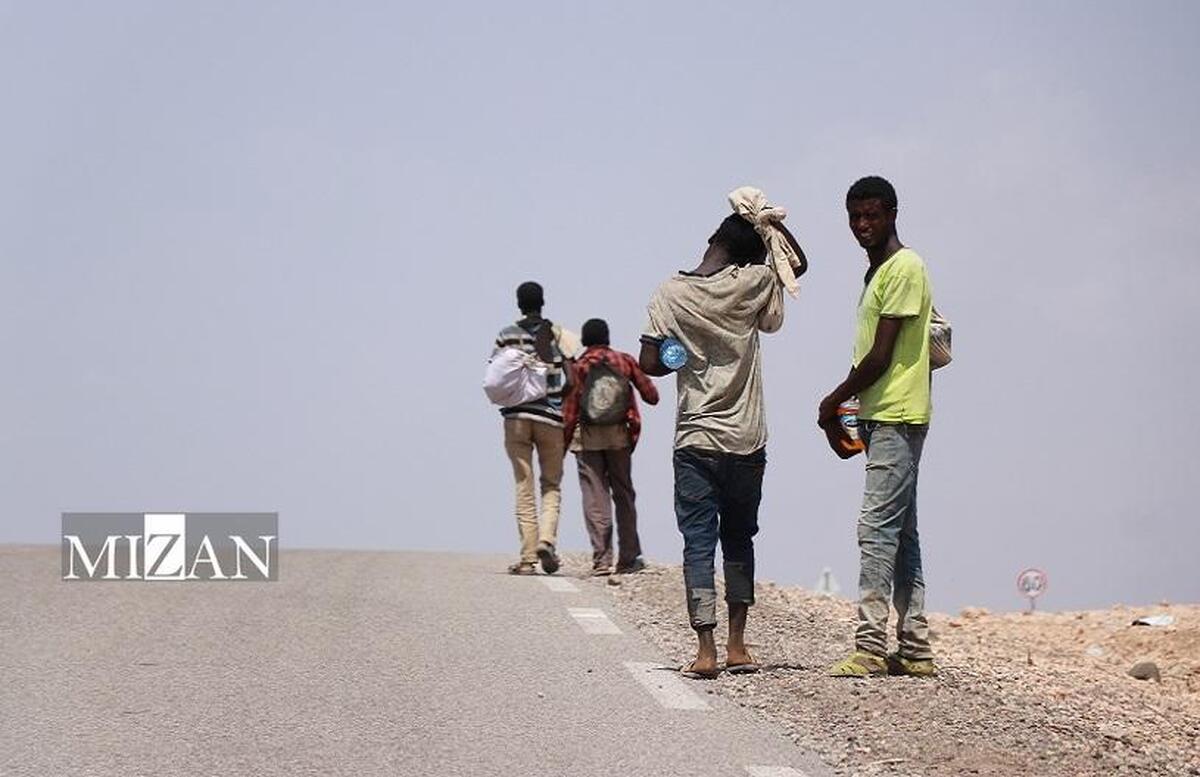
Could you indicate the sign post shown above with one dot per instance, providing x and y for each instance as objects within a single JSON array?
[{"x": 1032, "y": 583}]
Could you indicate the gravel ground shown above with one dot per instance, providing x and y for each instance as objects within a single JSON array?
[{"x": 1042, "y": 694}]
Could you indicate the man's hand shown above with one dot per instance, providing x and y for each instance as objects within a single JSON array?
[
  {"x": 827, "y": 412},
  {"x": 842, "y": 443},
  {"x": 649, "y": 361}
]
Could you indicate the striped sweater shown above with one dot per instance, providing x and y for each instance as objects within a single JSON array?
[{"x": 564, "y": 345}]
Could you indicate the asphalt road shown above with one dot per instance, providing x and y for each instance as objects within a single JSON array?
[{"x": 354, "y": 663}]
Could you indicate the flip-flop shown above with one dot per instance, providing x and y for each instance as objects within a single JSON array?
[
  {"x": 749, "y": 667},
  {"x": 687, "y": 671}
]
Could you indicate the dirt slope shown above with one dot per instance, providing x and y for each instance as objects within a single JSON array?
[{"x": 1043, "y": 694}]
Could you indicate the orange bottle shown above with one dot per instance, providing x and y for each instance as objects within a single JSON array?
[{"x": 843, "y": 437}]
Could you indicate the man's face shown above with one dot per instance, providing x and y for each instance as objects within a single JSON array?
[{"x": 871, "y": 221}]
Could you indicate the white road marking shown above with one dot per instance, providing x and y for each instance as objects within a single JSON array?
[
  {"x": 559, "y": 584},
  {"x": 667, "y": 688},
  {"x": 593, "y": 620},
  {"x": 774, "y": 771}
]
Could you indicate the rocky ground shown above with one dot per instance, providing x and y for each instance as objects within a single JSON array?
[{"x": 1045, "y": 694}]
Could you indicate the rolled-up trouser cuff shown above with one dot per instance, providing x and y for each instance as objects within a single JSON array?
[
  {"x": 702, "y": 608},
  {"x": 739, "y": 582}
]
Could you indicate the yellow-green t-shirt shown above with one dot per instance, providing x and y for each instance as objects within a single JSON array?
[{"x": 899, "y": 289}]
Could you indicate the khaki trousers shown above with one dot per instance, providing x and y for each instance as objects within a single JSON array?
[{"x": 521, "y": 437}]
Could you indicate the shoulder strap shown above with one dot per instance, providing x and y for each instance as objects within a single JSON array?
[{"x": 543, "y": 341}]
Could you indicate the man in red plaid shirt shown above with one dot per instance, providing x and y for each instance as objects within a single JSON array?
[{"x": 604, "y": 450}]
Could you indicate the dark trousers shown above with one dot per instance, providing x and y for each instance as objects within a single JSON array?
[
  {"x": 716, "y": 498},
  {"x": 605, "y": 479}
]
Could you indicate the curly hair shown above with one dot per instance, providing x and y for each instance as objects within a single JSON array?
[{"x": 872, "y": 188}]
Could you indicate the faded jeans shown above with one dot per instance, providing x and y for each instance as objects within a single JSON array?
[
  {"x": 716, "y": 498},
  {"x": 889, "y": 547}
]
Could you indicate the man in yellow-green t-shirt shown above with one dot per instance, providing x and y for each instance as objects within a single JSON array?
[{"x": 890, "y": 377}]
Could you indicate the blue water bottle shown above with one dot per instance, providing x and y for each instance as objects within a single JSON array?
[{"x": 672, "y": 354}]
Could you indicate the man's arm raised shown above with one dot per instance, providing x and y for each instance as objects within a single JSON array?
[{"x": 803, "y": 267}]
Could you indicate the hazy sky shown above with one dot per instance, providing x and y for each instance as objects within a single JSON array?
[{"x": 253, "y": 255}]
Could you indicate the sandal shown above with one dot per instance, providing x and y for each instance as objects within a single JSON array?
[
  {"x": 687, "y": 671},
  {"x": 747, "y": 667},
  {"x": 860, "y": 664}
]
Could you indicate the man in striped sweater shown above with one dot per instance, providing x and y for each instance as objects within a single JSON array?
[{"x": 537, "y": 425}]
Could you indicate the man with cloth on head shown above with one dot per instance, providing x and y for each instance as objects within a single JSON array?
[{"x": 716, "y": 312}]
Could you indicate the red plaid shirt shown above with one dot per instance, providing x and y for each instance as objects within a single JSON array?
[{"x": 624, "y": 364}]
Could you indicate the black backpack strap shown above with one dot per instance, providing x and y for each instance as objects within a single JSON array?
[{"x": 543, "y": 341}]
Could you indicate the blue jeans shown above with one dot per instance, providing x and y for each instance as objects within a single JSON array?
[
  {"x": 716, "y": 498},
  {"x": 888, "y": 543}
]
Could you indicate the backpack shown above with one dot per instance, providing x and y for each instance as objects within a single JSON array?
[
  {"x": 605, "y": 397},
  {"x": 514, "y": 377},
  {"x": 939, "y": 340}
]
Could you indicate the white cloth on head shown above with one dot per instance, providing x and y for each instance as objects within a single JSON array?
[{"x": 751, "y": 204}]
